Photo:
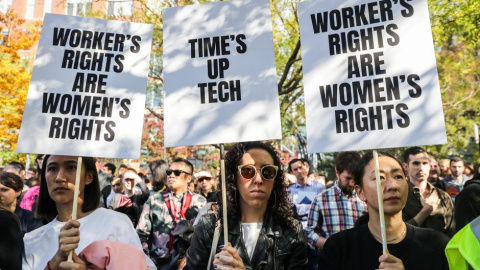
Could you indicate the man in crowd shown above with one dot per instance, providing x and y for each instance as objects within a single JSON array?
[
  {"x": 164, "y": 211},
  {"x": 467, "y": 203},
  {"x": 456, "y": 180},
  {"x": 206, "y": 185},
  {"x": 434, "y": 177},
  {"x": 303, "y": 191},
  {"x": 18, "y": 169},
  {"x": 444, "y": 167},
  {"x": 109, "y": 169},
  {"x": 427, "y": 206},
  {"x": 337, "y": 208}
]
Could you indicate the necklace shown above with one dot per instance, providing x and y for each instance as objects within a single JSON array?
[{"x": 388, "y": 241}]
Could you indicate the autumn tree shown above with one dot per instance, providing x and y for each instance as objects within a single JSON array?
[{"x": 14, "y": 75}]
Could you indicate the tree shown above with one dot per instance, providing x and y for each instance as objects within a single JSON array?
[
  {"x": 456, "y": 32},
  {"x": 14, "y": 75}
]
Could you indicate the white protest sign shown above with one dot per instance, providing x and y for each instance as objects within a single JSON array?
[
  {"x": 370, "y": 75},
  {"x": 87, "y": 91},
  {"x": 219, "y": 74}
]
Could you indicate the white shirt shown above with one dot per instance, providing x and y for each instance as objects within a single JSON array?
[
  {"x": 102, "y": 224},
  {"x": 251, "y": 231}
]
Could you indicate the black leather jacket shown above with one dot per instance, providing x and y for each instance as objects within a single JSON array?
[{"x": 277, "y": 247}]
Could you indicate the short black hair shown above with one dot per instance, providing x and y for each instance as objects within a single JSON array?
[
  {"x": 347, "y": 161},
  {"x": 46, "y": 207},
  {"x": 302, "y": 160},
  {"x": 359, "y": 170},
  {"x": 189, "y": 164},
  {"x": 158, "y": 169},
  {"x": 111, "y": 167},
  {"x": 412, "y": 151},
  {"x": 456, "y": 159},
  {"x": 12, "y": 181},
  {"x": 17, "y": 166}
]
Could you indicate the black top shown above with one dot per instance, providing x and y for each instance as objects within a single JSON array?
[
  {"x": 467, "y": 203},
  {"x": 355, "y": 248},
  {"x": 11, "y": 241},
  {"x": 278, "y": 246},
  {"x": 28, "y": 222},
  {"x": 442, "y": 220}
]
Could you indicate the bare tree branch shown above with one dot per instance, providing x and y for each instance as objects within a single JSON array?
[
  {"x": 289, "y": 64},
  {"x": 159, "y": 116}
]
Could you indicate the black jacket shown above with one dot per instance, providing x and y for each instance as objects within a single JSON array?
[
  {"x": 278, "y": 247},
  {"x": 467, "y": 203},
  {"x": 442, "y": 221}
]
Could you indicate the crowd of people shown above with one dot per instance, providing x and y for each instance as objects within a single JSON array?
[{"x": 280, "y": 215}]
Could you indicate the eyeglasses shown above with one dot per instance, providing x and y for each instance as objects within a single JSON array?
[
  {"x": 129, "y": 179},
  {"x": 268, "y": 172},
  {"x": 176, "y": 172},
  {"x": 203, "y": 178}
]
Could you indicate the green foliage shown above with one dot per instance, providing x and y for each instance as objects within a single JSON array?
[{"x": 456, "y": 32}]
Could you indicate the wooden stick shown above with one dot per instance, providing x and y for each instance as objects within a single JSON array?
[
  {"x": 380, "y": 203},
  {"x": 224, "y": 195},
  {"x": 75, "y": 196}
]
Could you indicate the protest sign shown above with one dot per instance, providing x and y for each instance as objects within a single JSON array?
[
  {"x": 219, "y": 74},
  {"x": 87, "y": 92},
  {"x": 370, "y": 75}
]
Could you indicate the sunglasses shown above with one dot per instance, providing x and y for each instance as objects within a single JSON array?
[
  {"x": 203, "y": 178},
  {"x": 268, "y": 172},
  {"x": 176, "y": 172}
]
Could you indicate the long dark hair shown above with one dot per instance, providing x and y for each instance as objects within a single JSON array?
[
  {"x": 46, "y": 207},
  {"x": 279, "y": 204},
  {"x": 159, "y": 173}
]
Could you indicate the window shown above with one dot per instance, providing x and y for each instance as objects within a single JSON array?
[
  {"x": 120, "y": 7},
  {"x": 5, "y": 5},
  {"x": 30, "y": 10},
  {"x": 78, "y": 7},
  {"x": 47, "y": 6}
]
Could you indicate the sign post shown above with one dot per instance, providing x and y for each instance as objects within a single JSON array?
[
  {"x": 370, "y": 76},
  {"x": 87, "y": 91},
  {"x": 220, "y": 77}
]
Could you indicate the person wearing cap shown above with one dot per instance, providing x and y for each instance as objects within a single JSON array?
[{"x": 206, "y": 185}]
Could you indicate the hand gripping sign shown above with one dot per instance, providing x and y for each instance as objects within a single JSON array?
[
  {"x": 87, "y": 92},
  {"x": 219, "y": 76},
  {"x": 370, "y": 77}
]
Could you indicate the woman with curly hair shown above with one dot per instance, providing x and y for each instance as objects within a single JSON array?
[{"x": 262, "y": 231}]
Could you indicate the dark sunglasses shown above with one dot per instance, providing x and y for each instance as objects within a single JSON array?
[
  {"x": 176, "y": 172},
  {"x": 268, "y": 172},
  {"x": 203, "y": 178}
]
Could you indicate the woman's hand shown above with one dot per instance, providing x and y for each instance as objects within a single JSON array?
[
  {"x": 388, "y": 261},
  {"x": 228, "y": 258},
  {"x": 77, "y": 264},
  {"x": 68, "y": 240}
]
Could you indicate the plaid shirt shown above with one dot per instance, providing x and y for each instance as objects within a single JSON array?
[
  {"x": 332, "y": 212},
  {"x": 156, "y": 222}
]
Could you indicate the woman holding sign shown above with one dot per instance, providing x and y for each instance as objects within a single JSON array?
[
  {"x": 361, "y": 247},
  {"x": 262, "y": 231},
  {"x": 49, "y": 246}
]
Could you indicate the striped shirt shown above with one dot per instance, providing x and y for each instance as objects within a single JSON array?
[{"x": 332, "y": 212}]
